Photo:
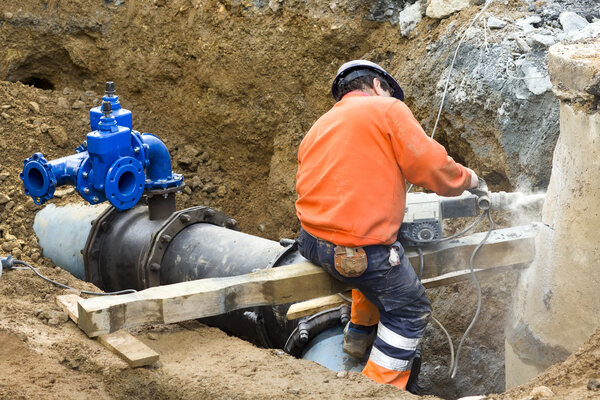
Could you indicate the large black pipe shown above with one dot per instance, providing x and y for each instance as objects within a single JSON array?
[{"x": 126, "y": 248}]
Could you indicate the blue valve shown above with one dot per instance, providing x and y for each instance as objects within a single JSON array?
[{"x": 116, "y": 163}]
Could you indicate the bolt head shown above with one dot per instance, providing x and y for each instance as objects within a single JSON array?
[
  {"x": 85, "y": 175},
  {"x": 231, "y": 223},
  {"x": 209, "y": 212},
  {"x": 185, "y": 218},
  {"x": 86, "y": 190},
  {"x": 165, "y": 238},
  {"x": 136, "y": 149},
  {"x": 95, "y": 199},
  {"x": 154, "y": 266}
]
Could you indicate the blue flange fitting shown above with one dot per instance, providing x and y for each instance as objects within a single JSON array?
[{"x": 116, "y": 163}]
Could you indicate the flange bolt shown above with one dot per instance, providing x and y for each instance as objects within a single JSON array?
[
  {"x": 106, "y": 108},
  {"x": 110, "y": 89}
]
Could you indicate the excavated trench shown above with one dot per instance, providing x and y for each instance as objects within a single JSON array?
[{"x": 232, "y": 88}]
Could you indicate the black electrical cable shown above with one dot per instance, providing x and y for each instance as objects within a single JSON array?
[{"x": 28, "y": 266}]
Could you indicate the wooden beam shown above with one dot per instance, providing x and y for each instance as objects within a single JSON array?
[
  {"x": 287, "y": 284},
  {"x": 205, "y": 298},
  {"x": 504, "y": 247},
  {"x": 313, "y": 306},
  {"x": 122, "y": 343}
]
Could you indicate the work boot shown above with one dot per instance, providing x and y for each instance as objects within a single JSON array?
[
  {"x": 358, "y": 339},
  {"x": 413, "y": 380}
]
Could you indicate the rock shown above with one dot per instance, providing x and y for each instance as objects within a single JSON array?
[
  {"x": 495, "y": 23},
  {"x": 222, "y": 191},
  {"x": 53, "y": 317},
  {"x": 62, "y": 103},
  {"x": 4, "y": 198},
  {"x": 274, "y": 5},
  {"x": 590, "y": 31},
  {"x": 18, "y": 289},
  {"x": 593, "y": 384},
  {"x": 44, "y": 128},
  {"x": 3, "y": 176},
  {"x": 35, "y": 107},
  {"x": 571, "y": 21},
  {"x": 187, "y": 190},
  {"x": 5, "y": 115},
  {"x": 541, "y": 392},
  {"x": 10, "y": 205},
  {"x": 77, "y": 105},
  {"x": 523, "y": 46},
  {"x": 527, "y": 23},
  {"x": 58, "y": 136},
  {"x": 443, "y": 8},
  {"x": 543, "y": 40},
  {"x": 537, "y": 81},
  {"x": 64, "y": 191},
  {"x": 196, "y": 182},
  {"x": 66, "y": 91},
  {"x": 152, "y": 336},
  {"x": 261, "y": 227},
  {"x": 293, "y": 391},
  {"x": 409, "y": 18},
  {"x": 6, "y": 107}
]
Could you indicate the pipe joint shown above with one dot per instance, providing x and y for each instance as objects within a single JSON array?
[{"x": 158, "y": 164}]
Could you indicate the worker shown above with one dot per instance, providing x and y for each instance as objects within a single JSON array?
[{"x": 353, "y": 165}]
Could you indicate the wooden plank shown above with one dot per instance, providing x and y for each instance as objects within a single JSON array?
[
  {"x": 205, "y": 297},
  {"x": 504, "y": 247},
  {"x": 68, "y": 303},
  {"x": 122, "y": 343},
  {"x": 313, "y": 306},
  {"x": 287, "y": 284},
  {"x": 129, "y": 348}
]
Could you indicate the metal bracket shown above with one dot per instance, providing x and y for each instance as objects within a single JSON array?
[
  {"x": 159, "y": 242},
  {"x": 91, "y": 250}
]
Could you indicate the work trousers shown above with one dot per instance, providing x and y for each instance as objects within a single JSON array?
[{"x": 397, "y": 293}]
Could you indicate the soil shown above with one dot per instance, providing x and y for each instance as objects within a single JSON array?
[{"x": 231, "y": 87}]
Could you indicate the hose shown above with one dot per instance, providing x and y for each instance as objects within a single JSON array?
[
  {"x": 439, "y": 114},
  {"x": 454, "y": 360},
  {"x": 8, "y": 262},
  {"x": 476, "y": 281}
]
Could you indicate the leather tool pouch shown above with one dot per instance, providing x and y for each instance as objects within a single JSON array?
[{"x": 350, "y": 262}]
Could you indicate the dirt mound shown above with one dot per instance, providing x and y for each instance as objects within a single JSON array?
[{"x": 231, "y": 87}]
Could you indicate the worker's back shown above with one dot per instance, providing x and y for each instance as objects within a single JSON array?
[{"x": 352, "y": 168}]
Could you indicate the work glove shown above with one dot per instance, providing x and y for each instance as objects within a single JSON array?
[
  {"x": 474, "y": 179},
  {"x": 479, "y": 188}
]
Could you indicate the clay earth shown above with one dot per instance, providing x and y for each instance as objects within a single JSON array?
[{"x": 232, "y": 86}]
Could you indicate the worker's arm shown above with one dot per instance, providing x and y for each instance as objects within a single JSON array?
[{"x": 423, "y": 161}]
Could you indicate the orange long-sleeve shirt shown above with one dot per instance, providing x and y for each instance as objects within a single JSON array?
[{"x": 352, "y": 166}]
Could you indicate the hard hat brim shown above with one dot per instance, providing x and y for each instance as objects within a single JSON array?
[{"x": 398, "y": 92}]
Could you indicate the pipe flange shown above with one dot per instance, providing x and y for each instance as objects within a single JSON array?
[
  {"x": 161, "y": 238},
  {"x": 124, "y": 183},
  {"x": 91, "y": 250},
  {"x": 38, "y": 178}
]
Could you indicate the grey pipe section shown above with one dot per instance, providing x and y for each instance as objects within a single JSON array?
[
  {"x": 208, "y": 251},
  {"x": 62, "y": 232}
]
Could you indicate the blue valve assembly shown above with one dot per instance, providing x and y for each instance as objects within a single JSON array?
[{"x": 115, "y": 163}]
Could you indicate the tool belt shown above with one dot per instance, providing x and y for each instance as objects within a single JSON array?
[{"x": 350, "y": 262}]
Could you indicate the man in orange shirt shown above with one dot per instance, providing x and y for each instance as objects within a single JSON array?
[{"x": 353, "y": 165}]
